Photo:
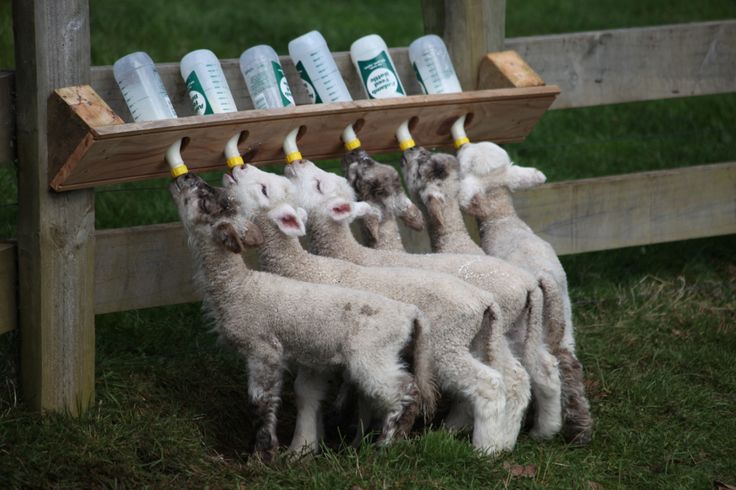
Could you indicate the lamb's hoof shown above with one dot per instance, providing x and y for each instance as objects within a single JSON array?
[
  {"x": 543, "y": 434},
  {"x": 577, "y": 436},
  {"x": 266, "y": 448}
]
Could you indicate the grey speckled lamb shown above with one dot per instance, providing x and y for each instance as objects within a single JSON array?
[
  {"x": 432, "y": 178},
  {"x": 489, "y": 177},
  {"x": 275, "y": 322},
  {"x": 457, "y": 311},
  {"x": 330, "y": 202}
]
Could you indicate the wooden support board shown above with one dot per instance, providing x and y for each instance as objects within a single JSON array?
[
  {"x": 115, "y": 152},
  {"x": 8, "y": 287},
  {"x": 7, "y": 117}
]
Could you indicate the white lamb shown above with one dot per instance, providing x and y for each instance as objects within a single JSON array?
[
  {"x": 432, "y": 179},
  {"x": 489, "y": 179},
  {"x": 275, "y": 322},
  {"x": 330, "y": 202},
  {"x": 457, "y": 311}
]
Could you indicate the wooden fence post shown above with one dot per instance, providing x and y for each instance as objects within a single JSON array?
[
  {"x": 55, "y": 231},
  {"x": 470, "y": 28}
]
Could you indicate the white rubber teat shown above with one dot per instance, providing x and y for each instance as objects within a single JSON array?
[
  {"x": 173, "y": 158},
  {"x": 232, "y": 154},
  {"x": 404, "y": 136},
  {"x": 458, "y": 132},
  {"x": 350, "y": 138},
  {"x": 290, "y": 149}
]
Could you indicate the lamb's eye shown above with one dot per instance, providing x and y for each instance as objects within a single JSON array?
[
  {"x": 264, "y": 191},
  {"x": 319, "y": 188},
  {"x": 204, "y": 205}
]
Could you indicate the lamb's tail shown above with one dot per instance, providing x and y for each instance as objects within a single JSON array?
[
  {"x": 493, "y": 329},
  {"x": 554, "y": 311},
  {"x": 422, "y": 364}
]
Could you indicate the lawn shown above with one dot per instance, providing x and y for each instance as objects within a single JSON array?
[{"x": 656, "y": 325}]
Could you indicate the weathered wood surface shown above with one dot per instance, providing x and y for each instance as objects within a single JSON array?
[
  {"x": 56, "y": 233},
  {"x": 625, "y": 65},
  {"x": 148, "y": 266},
  {"x": 470, "y": 29},
  {"x": 126, "y": 152},
  {"x": 504, "y": 69},
  {"x": 8, "y": 287},
  {"x": 7, "y": 117}
]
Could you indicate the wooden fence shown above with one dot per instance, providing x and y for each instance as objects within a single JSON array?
[{"x": 149, "y": 266}]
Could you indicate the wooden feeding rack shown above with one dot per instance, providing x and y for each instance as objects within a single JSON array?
[{"x": 94, "y": 146}]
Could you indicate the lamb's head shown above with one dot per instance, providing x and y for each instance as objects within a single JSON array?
[
  {"x": 486, "y": 166},
  {"x": 210, "y": 216},
  {"x": 328, "y": 198},
  {"x": 264, "y": 194},
  {"x": 380, "y": 185},
  {"x": 432, "y": 178}
]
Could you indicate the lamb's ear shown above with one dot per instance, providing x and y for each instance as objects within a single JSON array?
[
  {"x": 411, "y": 216},
  {"x": 340, "y": 209},
  {"x": 434, "y": 209},
  {"x": 287, "y": 220},
  {"x": 371, "y": 226},
  {"x": 364, "y": 209},
  {"x": 252, "y": 236},
  {"x": 227, "y": 235},
  {"x": 524, "y": 177}
]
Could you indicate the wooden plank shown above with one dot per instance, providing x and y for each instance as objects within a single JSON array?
[
  {"x": 145, "y": 266},
  {"x": 127, "y": 152},
  {"x": 506, "y": 69},
  {"x": 470, "y": 28},
  {"x": 148, "y": 266},
  {"x": 626, "y": 65},
  {"x": 8, "y": 288},
  {"x": 55, "y": 232},
  {"x": 7, "y": 117},
  {"x": 634, "y": 209}
]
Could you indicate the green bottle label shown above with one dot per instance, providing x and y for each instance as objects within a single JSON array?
[
  {"x": 286, "y": 98},
  {"x": 199, "y": 101},
  {"x": 316, "y": 99},
  {"x": 419, "y": 77},
  {"x": 380, "y": 78}
]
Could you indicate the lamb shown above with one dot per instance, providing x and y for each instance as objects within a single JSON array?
[
  {"x": 485, "y": 192},
  {"x": 458, "y": 312},
  {"x": 275, "y": 322},
  {"x": 432, "y": 179},
  {"x": 330, "y": 203}
]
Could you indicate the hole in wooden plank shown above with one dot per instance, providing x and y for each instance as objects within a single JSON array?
[
  {"x": 185, "y": 142},
  {"x": 301, "y": 133},
  {"x": 413, "y": 123},
  {"x": 241, "y": 141},
  {"x": 358, "y": 125}
]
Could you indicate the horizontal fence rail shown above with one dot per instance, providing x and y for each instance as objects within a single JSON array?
[
  {"x": 591, "y": 68},
  {"x": 148, "y": 266}
]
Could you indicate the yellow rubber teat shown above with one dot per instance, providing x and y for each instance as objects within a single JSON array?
[
  {"x": 461, "y": 141},
  {"x": 235, "y": 161},
  {"x": 352, "y": 144},
  {"x": 179, "y": 170},
  {"x": 406, "y": 144},
  {"x": 293, "y": 156}
]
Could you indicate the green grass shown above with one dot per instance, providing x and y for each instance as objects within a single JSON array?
[{"x": 655, "y": 324}]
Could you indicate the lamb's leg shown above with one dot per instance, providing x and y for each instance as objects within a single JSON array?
[
  {"x": 518, "y": 390},
  {"x": 310, "y": 389},
  {"x": 577, "y": 425},
  {"x": 391, "y": 390},
  {"x": 547, "y": 389},
  {"x": 483, "y": 388},
  {"x": 264, "y": 389},
  {"x": 541, "y": 364}
]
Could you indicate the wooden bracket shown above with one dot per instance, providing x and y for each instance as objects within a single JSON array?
[
  {"x": 94, "y": 147},
  {"x": 506, "y": 69}
]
